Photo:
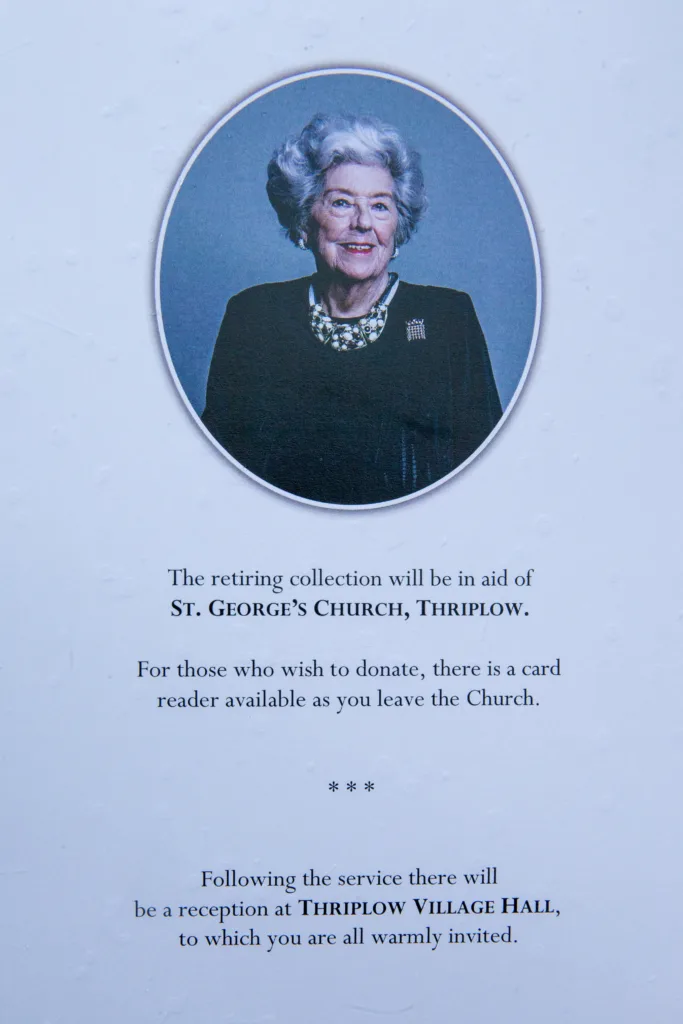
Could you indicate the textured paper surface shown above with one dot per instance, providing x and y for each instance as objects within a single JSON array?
[{"x": 108, "y": 483}]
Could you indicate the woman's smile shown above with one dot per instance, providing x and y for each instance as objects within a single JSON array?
[{"x": 357, "y": 248}]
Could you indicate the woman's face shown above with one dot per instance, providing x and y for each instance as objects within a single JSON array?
[{"x": 354, "y": 222}]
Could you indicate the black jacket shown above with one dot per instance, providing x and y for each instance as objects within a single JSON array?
[{"x": 358, "y": 427}]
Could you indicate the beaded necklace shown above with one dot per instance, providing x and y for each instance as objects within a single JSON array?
[{"x": 346, "y": 335}]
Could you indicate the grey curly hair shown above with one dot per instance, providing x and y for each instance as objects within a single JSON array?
[{"x": 296, "y": 172}]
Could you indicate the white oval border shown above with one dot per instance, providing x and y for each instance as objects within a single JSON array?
[{"x": 320, "y": 73}]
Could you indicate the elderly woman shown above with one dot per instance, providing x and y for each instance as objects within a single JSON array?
[{"x": 350, "y": 387}]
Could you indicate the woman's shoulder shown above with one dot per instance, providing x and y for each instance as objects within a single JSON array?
[
  {"x": 434, "y": 296},
  {"x": 260, "y": 296}
]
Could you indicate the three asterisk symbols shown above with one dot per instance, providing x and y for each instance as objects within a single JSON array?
[{"x": 351, "y": 786}]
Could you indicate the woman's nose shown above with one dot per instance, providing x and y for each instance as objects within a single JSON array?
[{"x": 362, "y": 220}]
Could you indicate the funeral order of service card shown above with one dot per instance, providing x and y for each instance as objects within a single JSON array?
[{"x": 341, "y": 387}]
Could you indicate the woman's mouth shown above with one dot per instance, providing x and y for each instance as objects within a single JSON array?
[{"x": 357, "y": 248}]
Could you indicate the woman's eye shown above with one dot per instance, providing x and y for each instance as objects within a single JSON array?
[
  {"x": 381, "y": 207},
  {"x": 340, "y": 202}
]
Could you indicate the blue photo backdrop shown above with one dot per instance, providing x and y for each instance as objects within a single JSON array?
[{"x": 222, "y": 235}]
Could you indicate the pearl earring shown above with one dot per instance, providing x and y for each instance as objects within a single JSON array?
[
  {"x": 302, "y": 244},
  {"x": 396, "y": 252}
]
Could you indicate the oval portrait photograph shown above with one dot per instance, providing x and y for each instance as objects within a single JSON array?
[{"x": 348, "y": 288}]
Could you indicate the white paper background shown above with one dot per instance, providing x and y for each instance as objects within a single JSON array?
[{"x": 108, "y": 483}]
